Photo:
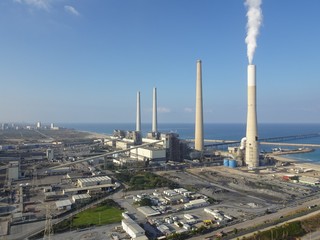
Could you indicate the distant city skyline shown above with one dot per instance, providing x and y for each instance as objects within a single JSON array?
[{"x": 82, "y": 61}]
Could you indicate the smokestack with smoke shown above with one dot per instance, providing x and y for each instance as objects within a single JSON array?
[{"x": 254, "y": 16}]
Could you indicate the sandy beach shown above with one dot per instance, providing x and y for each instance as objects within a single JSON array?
[{"x": 296, "y": 163}]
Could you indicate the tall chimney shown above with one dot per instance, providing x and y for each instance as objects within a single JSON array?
[
  {"x": 252, "y": 145},
  {"x": 199, "y": 110},
  {"x": 154, "y": 111},
  {"x": 138, "y": 120}
]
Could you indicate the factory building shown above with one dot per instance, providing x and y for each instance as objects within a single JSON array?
[
  {"x": 124, "y": 139},
  {"x": 175, "y": 148},
  {"x": 119, "y": 133},
  {"x": 80, "y": 198},
  {"x": 13, "y": 170},
  {"x": 49, "y": 154},
  {"x": 148, "y": 211},
  {"x": 111, "y": 142},
  {"x": 134, "y": 136},
  {"x": 123, "y": 144},
  {"x": 196, "y": 203},
  {"x": 93, "y": 181},
  {"x": 64, "y": 204},
  {"x": 124, "y": 161},
  {"x": 132, "y": 228},
  {"x": 216, "y": 213},
  {"x": 149, "y": 153}
]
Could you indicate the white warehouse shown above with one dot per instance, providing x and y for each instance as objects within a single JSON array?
[
  {"x": 93, "y": 181},
  {"x": 133, "y": 229},
  {"x": 196, "y": 203},
  {"x": 157, "y": 154}
]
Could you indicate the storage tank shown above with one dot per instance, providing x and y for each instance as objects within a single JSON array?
[
  {"x": 232, "y": 163},
  {"x": 226, "y": 162}
]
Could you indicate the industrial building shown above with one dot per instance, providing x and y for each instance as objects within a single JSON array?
[
  {"x": 148, "y": 211},
  {"x": 13, "y": 170},
  {"x": 150, "y": 153},
  {"x": 88, "y": 189},
  {"x": 93, "y": 181},
  {"x": 176, "y": 149},
  {"x": 49, "y": 154},
  {"x": 196, "y": 203},
  {"x": 125, "y": 161},
  {"x": 80, "y": 198},
  {"x": 64, "y": 204},
  {"x": 121, "y": 144},
  {"x": 132, "y": 228}
]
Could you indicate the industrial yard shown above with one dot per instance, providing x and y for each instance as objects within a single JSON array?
[{"x": 61, "y": 187}]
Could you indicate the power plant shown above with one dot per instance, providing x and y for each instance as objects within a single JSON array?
[
  {"x": 252, "y": 148},
  {"x": 199, "y": 110}
]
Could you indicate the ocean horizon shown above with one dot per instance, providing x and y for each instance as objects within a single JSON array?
[{"x": 223, "y": 131}]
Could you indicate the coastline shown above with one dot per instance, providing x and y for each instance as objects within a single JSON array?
[
  {"x": 94, "y": 134},
  {"x": 297, "y": 163}
]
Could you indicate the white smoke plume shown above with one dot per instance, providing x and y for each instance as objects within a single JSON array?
[{"x": 254, "y": 16}]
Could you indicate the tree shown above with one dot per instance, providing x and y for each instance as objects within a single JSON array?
[{"x": 145, "y": 202}]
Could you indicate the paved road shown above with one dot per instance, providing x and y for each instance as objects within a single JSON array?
[
  {"x": 292, "y": 220},
  {"x": 312, "y": 236}
]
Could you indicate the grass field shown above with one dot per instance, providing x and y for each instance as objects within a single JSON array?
[{"x": 100, "y": 215}]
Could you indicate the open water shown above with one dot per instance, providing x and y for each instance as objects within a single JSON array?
[{"x": 218, "y": 131}]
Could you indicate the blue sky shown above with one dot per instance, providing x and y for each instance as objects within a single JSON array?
[{"x": 84, "y": 60}]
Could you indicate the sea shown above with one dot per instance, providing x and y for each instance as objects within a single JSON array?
[{"x": 221, "y": 131}]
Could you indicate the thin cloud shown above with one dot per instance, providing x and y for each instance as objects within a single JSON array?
[
  {"x": 40, "y": 4},
  {"x": 163, "y": 110},
  {"x": 188, "y": 110},
  {"x": 71, "y": 10}
]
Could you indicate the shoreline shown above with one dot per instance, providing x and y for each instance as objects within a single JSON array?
[
  {"x": 297, "y": 163},
  {"x": 94, "y": 134}
]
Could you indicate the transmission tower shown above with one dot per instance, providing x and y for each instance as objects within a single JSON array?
[
  {"x": 48, "y": 229},
  {"x": 34, "y": 177}
]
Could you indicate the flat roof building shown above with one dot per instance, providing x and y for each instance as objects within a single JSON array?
[
  {"x": 133, "y": 229},
  {"x": 196, "y": 203},
  {"x": 79, "y": 198},
  {"x": 148, "y": 211},
  {"x": 64, "y": 204},
  {"x": 92, "y": 181}
]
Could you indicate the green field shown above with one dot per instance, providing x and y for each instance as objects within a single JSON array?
[
  {"x": 100, "y": 215},
  {"x": 144, "y": 180}
]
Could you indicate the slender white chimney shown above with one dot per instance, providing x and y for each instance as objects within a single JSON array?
[
  {"x": 252, "y": 145},
  {"x": 199, "y": 110},
  {"x": 154, "y": 111},
  {"x": 138, "y": 119}
]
